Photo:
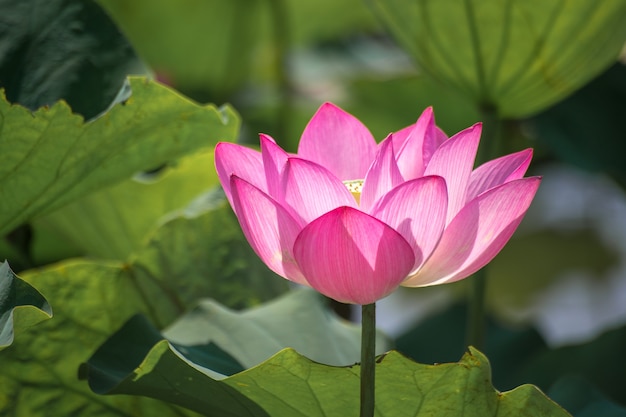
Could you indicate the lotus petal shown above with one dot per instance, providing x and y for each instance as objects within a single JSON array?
[
  {"x": 311, "y": 190},
  {"x": 246, "y": 163},
  {"x": 454, "y": 161},
  {"x": 498, "y": 171},
  {"x": 417, "y": 210},
  {"x": 382, "y": 176},
  {"x": 477, "y": 233},
  {"x": 352, "y": 257},
  {"x": 338, "y": 141},
  {"x": 268, "y": 227}
]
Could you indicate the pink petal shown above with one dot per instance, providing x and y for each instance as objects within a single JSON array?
[
  {"x": 417, "y": 210},
  {"x": 440, "y": 137},
  {"x": 232, "y": 159},
  {"x": 498, "y": 171},
  {"x": 416, "y": 145},
  {"x": 311, "y": 190},
  {"x": 338, "y": 141},
  {"x": 274, "y": 161},
  {"x": 382, "y": 176},
  {"x": 352, "y": 257},
  {"x": 269, "y": 228},
  {"x": 477, "y": 233},
  {"x": 454, "y": 161}
]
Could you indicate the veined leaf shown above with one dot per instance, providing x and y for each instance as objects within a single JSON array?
[
  {"x": 38, "y": 377},
  {"x": 289, "y": 384},
  {"x": 518, "y": 56},
  {"x": 201, "y": 252},
  {"x": 273, "y": 326},
  {"x": 196, "y": 254},
  {"x": 108, "y": 224},
  {"x": 51, "y": 157}
]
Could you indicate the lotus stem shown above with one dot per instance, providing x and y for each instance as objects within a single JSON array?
[
  {"x": 490, "y": 148},
  {"x": 368, "y": 359}
]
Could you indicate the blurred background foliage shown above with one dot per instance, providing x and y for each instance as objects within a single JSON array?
[{"x": 550, "y": 76}]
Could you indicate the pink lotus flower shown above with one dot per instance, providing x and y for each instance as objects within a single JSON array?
[{"x": 354, "y": 220}]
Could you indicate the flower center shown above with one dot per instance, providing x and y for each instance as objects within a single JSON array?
[{"x": 355, "y": 187}]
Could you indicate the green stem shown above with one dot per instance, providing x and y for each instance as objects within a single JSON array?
[
  {"x": 368, "y": 359},
  {"x": 490, "y": 148},
  {"x": 476, "y": 316}
]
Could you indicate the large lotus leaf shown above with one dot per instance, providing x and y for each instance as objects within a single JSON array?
[
  {"x": 15, "y": 295},
  {"x": 188, "y": 257},
  {"x": 518, "y": 56},
  {"x": 289, "y": 384},
  {"x": 62, "y": 49},
  {"x": 107, "y": 224},
  {"x": 51, "y": 157},
  {"x": 38, "y": 377},
  {"x": 201, "y": 252},
  {"x": 198, "y": 45},
  {"x": 274, "y": 326},
  {"x": 133, "y": 340}
]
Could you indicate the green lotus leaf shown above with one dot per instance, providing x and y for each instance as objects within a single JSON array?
[
  {"x": 195, "y": 254},
  {"x": 51, "y": 157},
  {"x": 107, "y": 224},
  {"x": 38, "y": 378},
  {"x": 201, "y": 252},
  {"x": 69, "y": 49},
  {"x": 289, "y": 384},
  {"x": 15, "y": 295},
  {"x": 273, "y": 326},
  {"x": 517, "y": 56}
]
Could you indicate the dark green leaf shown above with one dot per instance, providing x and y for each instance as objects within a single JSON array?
[
  {"x": 14, "y": 295},
  {"x": 129, "y": 346},
  {"x": 62, "y": 49},
  {"x": 289, "y": 384}
]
